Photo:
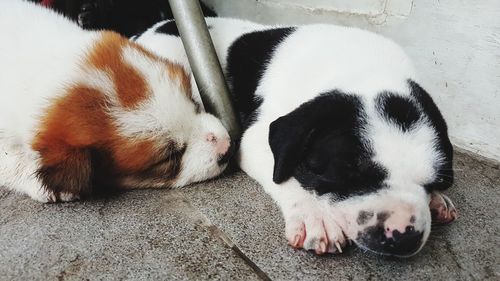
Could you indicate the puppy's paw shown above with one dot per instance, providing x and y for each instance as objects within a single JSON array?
[
  {"x": 311, "y": 228},
  {"x": 443, "y": 210},
  {"x": 44, "y": 196},
  {"x": 67, "y": 197}
]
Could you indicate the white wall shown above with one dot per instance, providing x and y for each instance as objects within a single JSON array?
[{"x": 455, "y": 45}]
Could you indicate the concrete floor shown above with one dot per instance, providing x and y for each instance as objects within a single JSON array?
[{"x": 228, "y": 229}]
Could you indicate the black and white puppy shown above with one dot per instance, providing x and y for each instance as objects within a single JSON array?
[{"x": 337, "y": 130}]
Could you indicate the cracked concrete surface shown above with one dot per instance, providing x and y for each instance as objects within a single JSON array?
[{"x": 228, "y": 229}]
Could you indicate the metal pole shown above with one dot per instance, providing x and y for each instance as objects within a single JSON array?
[{"x": 204, "y": 63}]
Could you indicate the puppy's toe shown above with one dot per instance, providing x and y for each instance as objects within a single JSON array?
[
  {"x": 316, "y": 238},
  {"x": 443, "y": 210},
  {"x": 68, "y": 197},
  {"x": 313, "y": 229},
  {"x": 45, "y": 196},
  {"x": 295, "y": 232},
  {"x": 335, "y": 235}
]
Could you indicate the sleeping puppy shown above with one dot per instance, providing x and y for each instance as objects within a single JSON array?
[
  {"x": 80, "y": 108},
  {"x": 337, "y": 130}
]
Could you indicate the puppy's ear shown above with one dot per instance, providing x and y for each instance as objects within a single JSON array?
[
  {"x": 71, "y": 129},
  {"x": 290, "y": 134}
]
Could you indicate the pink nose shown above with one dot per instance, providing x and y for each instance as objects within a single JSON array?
[{"x": 221, "y": 144}]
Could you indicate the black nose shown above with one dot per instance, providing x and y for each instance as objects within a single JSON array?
[
  {"x": 224, "y": 158},
  {"x": 402, "y": 244}
]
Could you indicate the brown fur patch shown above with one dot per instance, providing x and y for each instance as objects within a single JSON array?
[
  {"x": 177, "y": 72},
  {"x": 77, "y": 120},
  {"x": 130, "y": 85},
  {"x": 106, "y": 55},
  {"x": 72, "y": 125}
]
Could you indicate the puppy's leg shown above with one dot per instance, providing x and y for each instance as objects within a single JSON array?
[
  {"x": 18, "y": 166},
  {"x": 310, "y": 221},
  {"x": 443, "y": 210},
  {"x": 20, "y": 170}
]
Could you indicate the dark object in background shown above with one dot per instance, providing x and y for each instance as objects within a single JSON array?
[{"x": 127, "y": 17}]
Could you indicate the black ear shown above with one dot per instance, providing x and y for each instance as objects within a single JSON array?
[
  {"x": 287, "y": 139},
  {"x": 290, "y": 134}
]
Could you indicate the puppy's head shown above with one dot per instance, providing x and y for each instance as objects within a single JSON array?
[
  {"x": 377, "y": 161},
  {"x": 129, "y": 118}
]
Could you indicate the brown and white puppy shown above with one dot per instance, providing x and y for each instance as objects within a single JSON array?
[{"x": 79, "y": 108}]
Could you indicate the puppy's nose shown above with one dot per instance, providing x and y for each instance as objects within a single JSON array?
[
  {"x": 223, "y": 147},
  {"x": 224, "y": 158},
  {"x": 402, "y": 244},
  {"x": 221, "y": 144}
]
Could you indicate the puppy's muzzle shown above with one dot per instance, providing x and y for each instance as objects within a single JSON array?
[
  {"x": 226, "y": 156},
  {"x": 386, "y": 241}
]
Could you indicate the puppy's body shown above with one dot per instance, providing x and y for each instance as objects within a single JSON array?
[
  {"x": 337, "y": 131},
  {"x": 78, "y": 108}
]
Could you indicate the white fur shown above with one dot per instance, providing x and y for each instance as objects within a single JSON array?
[
  {"x": 42, "y": 55},
  {"x": 313, "y": 60}
]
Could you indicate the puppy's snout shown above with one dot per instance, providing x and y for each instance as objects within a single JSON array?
[
  {"x": 390, "y": 233},
  {"x": 223, "y": 147},
  {"x": 221, "y": 144},
  {"x": 224, "y": 158}
]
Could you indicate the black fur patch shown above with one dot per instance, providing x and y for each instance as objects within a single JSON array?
[
  {"x": 168, "y": 28},
  {"x": 247, "y": 60},
  {"x": 401, "y": 111},
  {"x": 127, "y": 17},
  {"x": 445, "y": 173},
  {"x": 320, "y": 144},
  {"x": 383, "y": 216},
  {"x": 413, "y": 218},
  {"x": 364, "y": 217}
]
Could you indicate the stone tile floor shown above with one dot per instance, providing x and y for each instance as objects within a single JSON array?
[{"x": 229, "y": 229}]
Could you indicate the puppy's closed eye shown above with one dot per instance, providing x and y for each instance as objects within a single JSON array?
[{"x": 317, "y": 164}]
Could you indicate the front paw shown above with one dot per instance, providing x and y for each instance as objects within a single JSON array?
[
  {"x": 45, "y": 196},
  {"x": 443, "y": 210},
  {"x": 313, "y": 228}
]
